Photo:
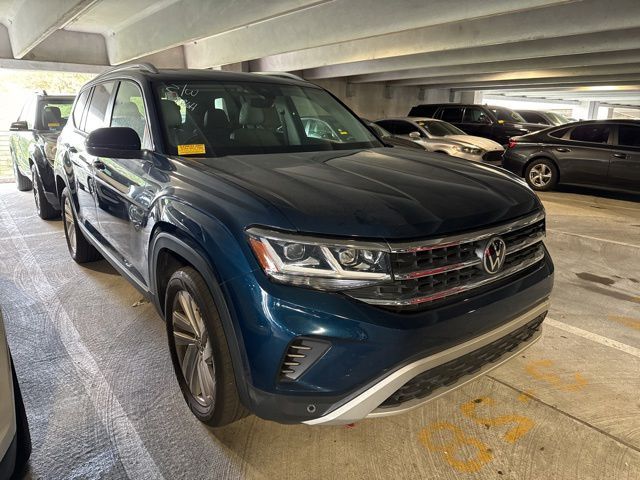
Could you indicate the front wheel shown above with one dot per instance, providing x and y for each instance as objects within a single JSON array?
[
  {"x": 542, "y": 174},
  {"x": 199, "y": 350},
  {"x": 79, "y": 247}
]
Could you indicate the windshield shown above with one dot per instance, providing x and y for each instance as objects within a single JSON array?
[
  {"x": 439, "y": 129},
  {"x": 557, "y": 118},
  {"x": 213, "y": 119},
  {"x": 379, "y": 130},
  {"x": 507, "y": 115}
]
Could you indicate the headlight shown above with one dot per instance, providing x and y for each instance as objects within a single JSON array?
[
  {"x": 320, "y": 263},
  {"x": 470, "y": 150}
]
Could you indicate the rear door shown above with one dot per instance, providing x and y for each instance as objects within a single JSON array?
[
  {"x": 584, "y": 156},
  {"x": 124, "y": 190},
  {"x": 83, "y": 167},
  {"x": 476, "y": 122},
  {"x": 624, "y": 170}
]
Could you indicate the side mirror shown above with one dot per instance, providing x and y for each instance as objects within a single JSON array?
[
  {"x": 415, "y": 136},
  {"x": 17, "y": 126},
  {"x": 113, "y": 142}
]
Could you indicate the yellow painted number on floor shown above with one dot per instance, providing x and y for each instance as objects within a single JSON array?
[
  {"x": 451, "y": 450},
  {"x": 543, "y": 370},
  {"x": 522, "y": 423}
]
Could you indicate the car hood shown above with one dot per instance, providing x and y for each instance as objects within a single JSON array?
[
  {"x": 479, "y": 142},
  {"x": 379, "y": 193}
]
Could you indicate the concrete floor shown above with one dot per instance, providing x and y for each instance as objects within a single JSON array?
[{"x": 103, "y": 403}]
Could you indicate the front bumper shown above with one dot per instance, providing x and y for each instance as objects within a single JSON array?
[{"x": 368, "y": 403}]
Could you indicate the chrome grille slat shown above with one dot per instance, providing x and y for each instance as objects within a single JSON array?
[{"x": 431, "y": 270}]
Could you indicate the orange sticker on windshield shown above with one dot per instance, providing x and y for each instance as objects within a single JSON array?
[{"x": 193, "y": 149}]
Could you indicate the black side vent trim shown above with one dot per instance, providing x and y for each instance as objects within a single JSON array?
[{"x": 300, "y": 355}]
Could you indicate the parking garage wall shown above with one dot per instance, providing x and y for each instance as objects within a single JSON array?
[{"x": 375, "y": 101}]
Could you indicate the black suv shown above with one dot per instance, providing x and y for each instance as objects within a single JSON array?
[
  {"x": 496, "y": 123},
  {"x": 303, "y": 277},
  {"x": 32, "y": 145}
]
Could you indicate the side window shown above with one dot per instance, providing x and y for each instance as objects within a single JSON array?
[
  {"x": 78, "y": 109},
  {"x": 128, "y": 109},
  {"x": 29, "y": 113},
  {"x": 590, "y": 133},
  {"x": 25, "y": 110},
  {"x": 98, "y": 106},
  {"x": 559, "y": 133},
  {"x": 388, "y": 125},
  {"x": 628, "y": 135},
  {"x": 475, "y": 115},
  {"x": 405, "y": 128},
  {"x": 451, "y": 114}
]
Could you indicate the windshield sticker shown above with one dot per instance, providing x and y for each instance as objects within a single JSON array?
[
  {"x": 53, "y": 124},
  {"x": 192, "y": 149}
]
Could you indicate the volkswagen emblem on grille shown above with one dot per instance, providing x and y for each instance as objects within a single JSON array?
[{"x": 493, "y": 255}]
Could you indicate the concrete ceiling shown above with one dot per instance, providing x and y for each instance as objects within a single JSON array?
[{"x": 518, "y": 46}]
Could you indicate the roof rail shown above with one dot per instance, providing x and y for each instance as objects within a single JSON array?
[
  {"x": 142, "y": 66},
  {"x": 282, "y": 75}
]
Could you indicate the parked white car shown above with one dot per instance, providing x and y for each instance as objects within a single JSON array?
[
  {"x": 15, "y": 441},
  {"x": 439, "y": 136}
]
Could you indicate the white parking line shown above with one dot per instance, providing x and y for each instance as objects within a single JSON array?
[
  {"x": 135, "y": 458},
  {"x": 594, "y": 337},
  {"x": 597, "y": 239}
]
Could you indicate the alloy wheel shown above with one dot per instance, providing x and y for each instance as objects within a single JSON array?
[
  {"x": 540, "y": 175},
  {"x": 70, "y": 226},
  {"x": 193, "y": 349}
]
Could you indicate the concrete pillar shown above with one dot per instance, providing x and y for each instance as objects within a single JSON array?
[{"x": 592, "y": 110}]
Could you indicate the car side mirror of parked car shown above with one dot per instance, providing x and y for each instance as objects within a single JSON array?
[
  {"x": 113, "y": 142},
  {"x": 21, "y": 125},
  {"x": 415, "y": 135}
]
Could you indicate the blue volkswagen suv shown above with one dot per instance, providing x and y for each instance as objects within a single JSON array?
[{"x": 306, "y": 274}]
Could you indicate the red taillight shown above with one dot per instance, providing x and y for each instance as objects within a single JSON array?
[{"x": 512, "y": 143}]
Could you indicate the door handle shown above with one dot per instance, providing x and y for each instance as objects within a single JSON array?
[
  {"x": 98, "y": 165},
  {"x": 562, "y": 149},
  {"x": 620, "y": 155}
]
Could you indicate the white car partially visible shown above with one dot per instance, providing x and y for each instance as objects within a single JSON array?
[{"x": 15, "y": 441}]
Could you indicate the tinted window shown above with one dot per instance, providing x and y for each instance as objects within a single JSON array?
[
  {"x": 98, "y": 106},
  {"x": 388, "y": 125},
  {"x": 55, "y": 113},
  {"x": 629, "y": 135},
  {"x": 591, "y": 133},
  {"x": 78, "y": 109},
  {"x": 423, "y": 111},
  {"x": 475, "y": 115},
  {"x": 506, "y": 115},
  {"x": 451, "y": 114},
  {"x": 128, "y": 109},
  {"x": 559, "y": 133},
  {"x": 533, "y": 117},
  {"x": 404, "y": 128}
]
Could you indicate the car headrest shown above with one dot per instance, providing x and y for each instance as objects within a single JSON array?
[
  {"x": 126, "y": 109},
  {"x": 216, "y": 118},
  {"x": 52, "y": 114},
  {"x": 250, "y": 115},
  {"x": 171, "y": 113}
]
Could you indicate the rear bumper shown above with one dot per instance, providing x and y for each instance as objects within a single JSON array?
[{"x": 368, "y": 403}]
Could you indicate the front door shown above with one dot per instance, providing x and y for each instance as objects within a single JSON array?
[
  {"x": 585, "y": 157},
  {"x": 125, "y": 191}
]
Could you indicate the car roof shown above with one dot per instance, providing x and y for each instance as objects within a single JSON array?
[{"x": 193, "y": 75}]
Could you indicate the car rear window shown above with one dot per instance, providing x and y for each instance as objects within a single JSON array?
[
  {"x": 629, "y": 135},
  {"x": 591, "y": 133}
]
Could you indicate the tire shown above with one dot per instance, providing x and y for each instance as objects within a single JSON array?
[
  {"x": 79, "y": 247},
  {"x": 23, "y": 183},
  {"x": 23, "y": 437},
  {"x": 196, "y": 339},
  {"x": 43, "y": 208},
  {"x": 542, "y": 174}
]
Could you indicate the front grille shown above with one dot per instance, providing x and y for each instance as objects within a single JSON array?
[
  {"x": 430, "y": 271},
  {"x": 493, "y": 157},
  {"x": 451, "y": 372}
]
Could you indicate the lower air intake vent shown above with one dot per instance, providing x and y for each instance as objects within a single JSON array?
[{"x": 300, "y": 355}]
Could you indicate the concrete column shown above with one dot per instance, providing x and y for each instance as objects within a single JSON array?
[{"x": 592, "y": 110}]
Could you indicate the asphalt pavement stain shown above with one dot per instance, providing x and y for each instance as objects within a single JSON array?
[{"x": 590, "y": 277}]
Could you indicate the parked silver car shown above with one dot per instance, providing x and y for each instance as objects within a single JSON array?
[
  {"x": 15, "y": 441},
  {"x": 439, "y": 136}
]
